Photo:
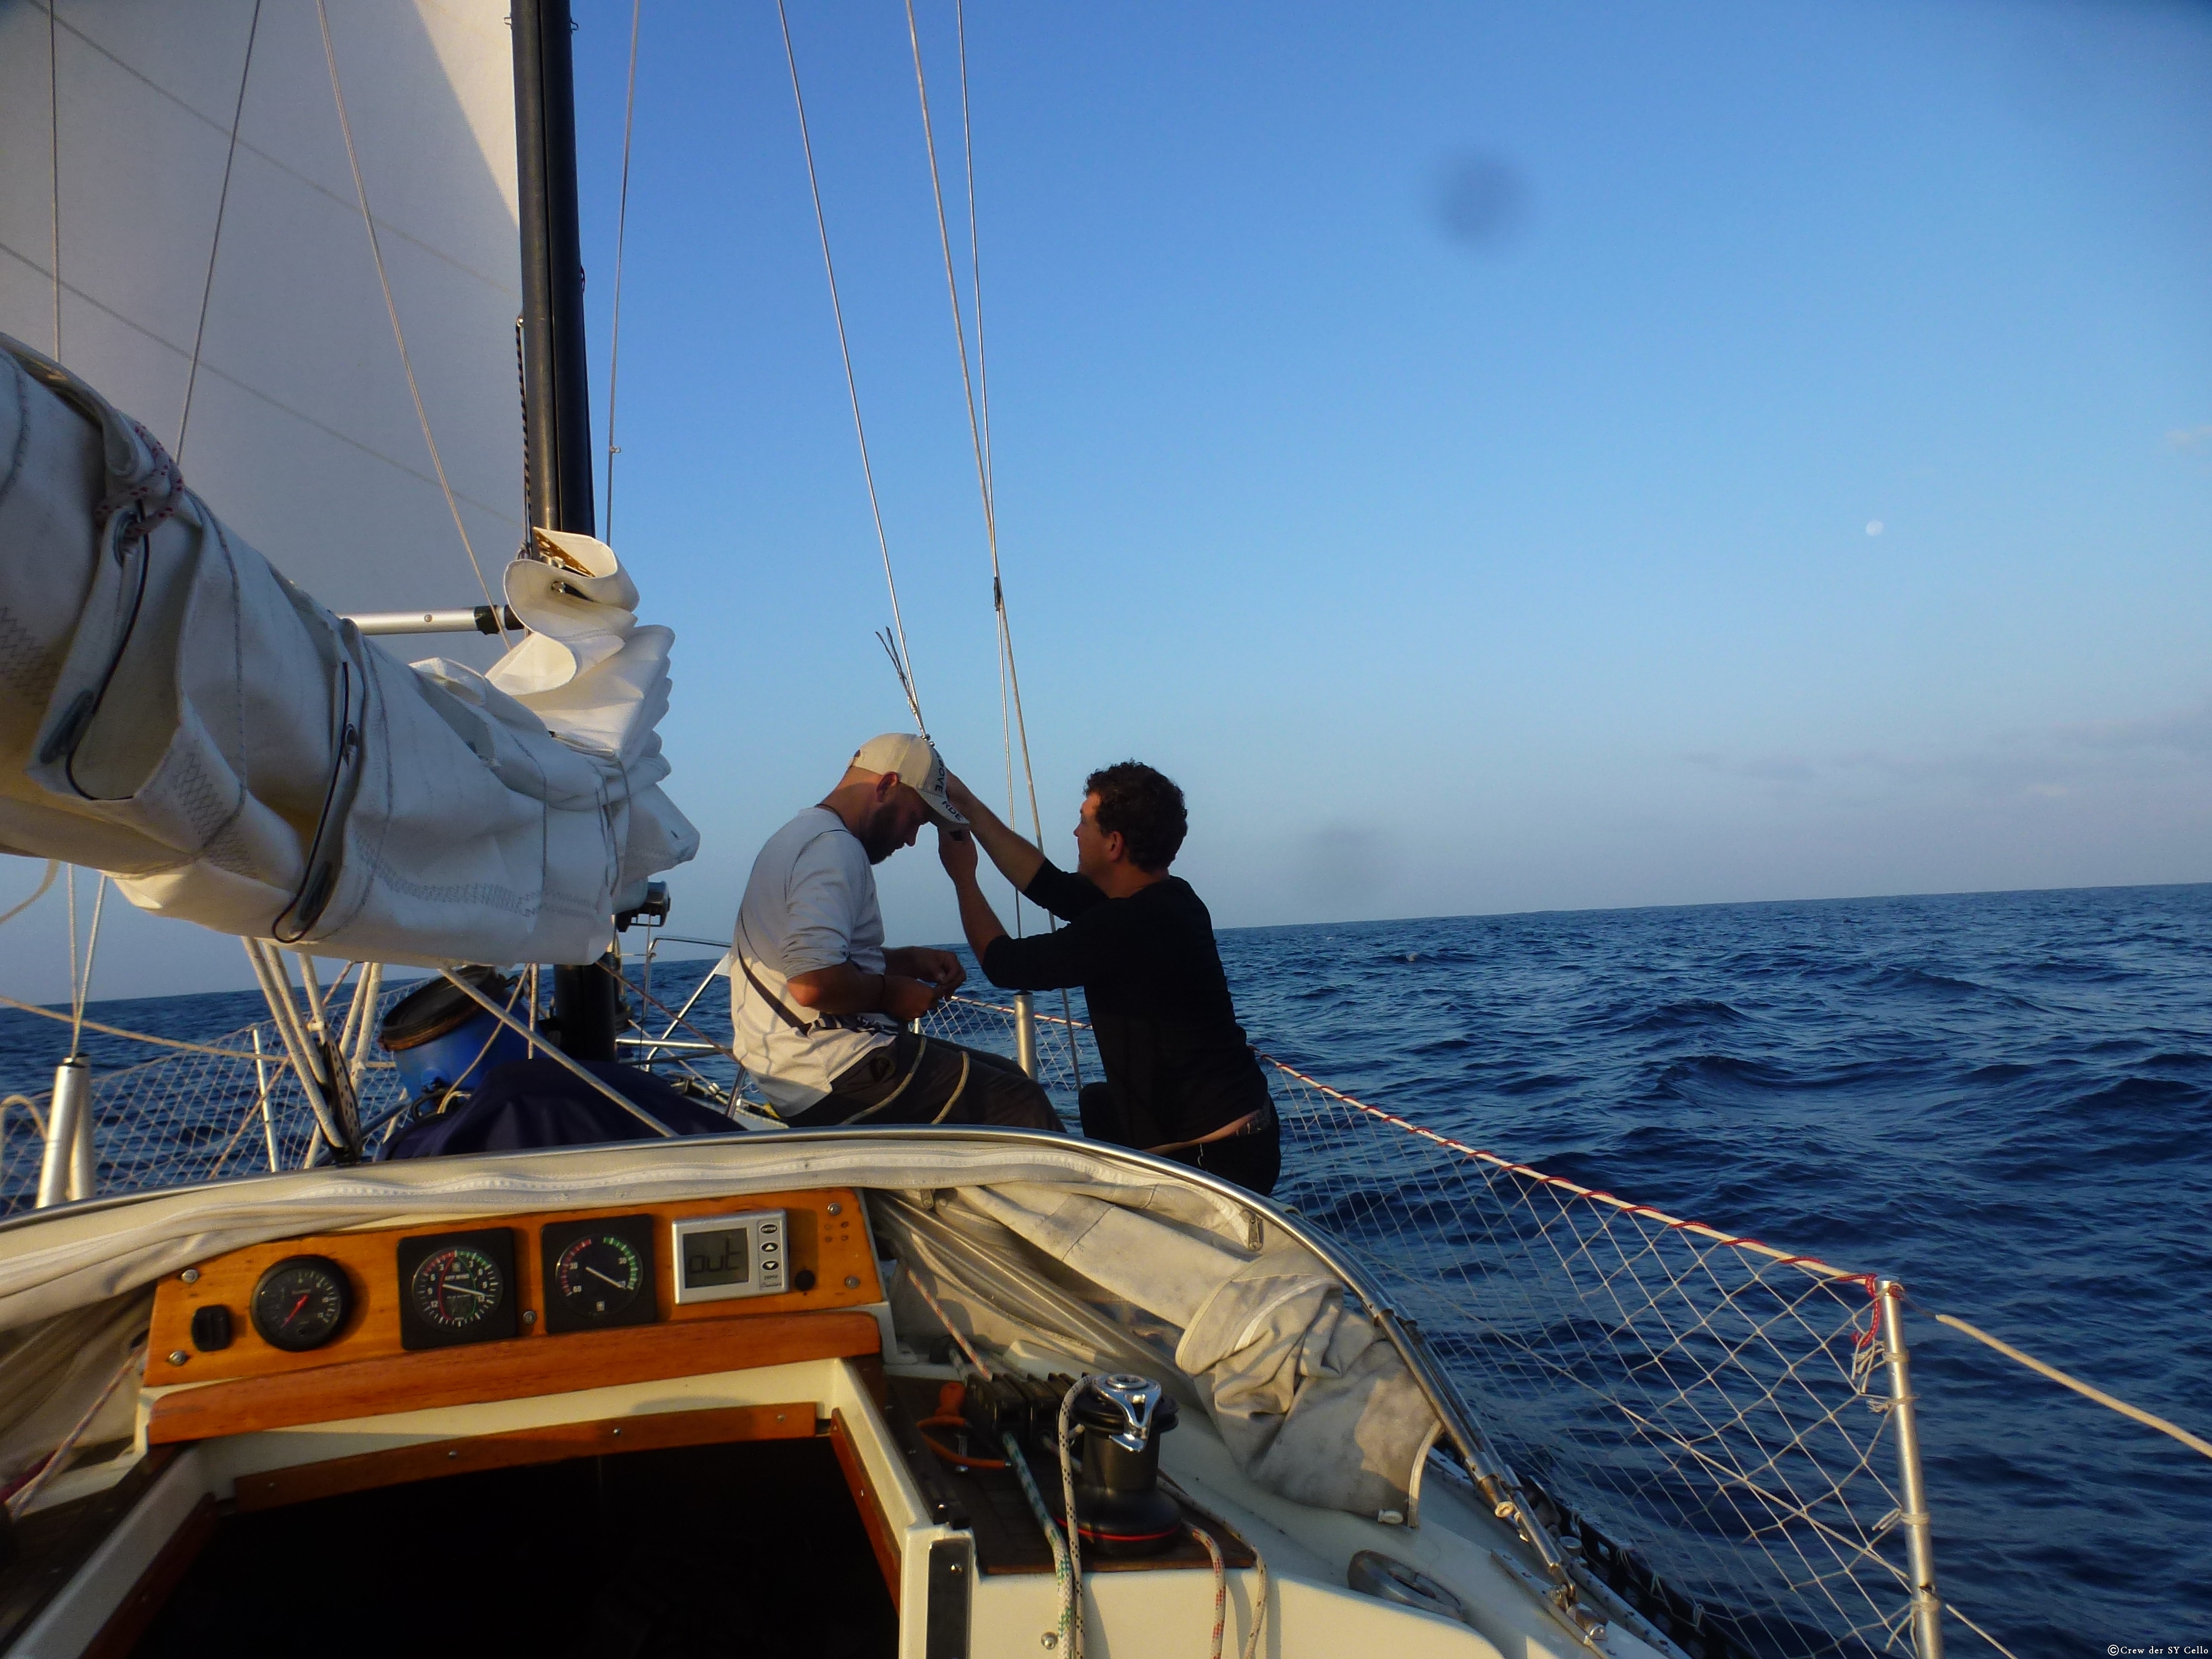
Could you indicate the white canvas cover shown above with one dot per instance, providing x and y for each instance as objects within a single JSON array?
[
  {"x": 235, "y": 742},
  {"x": 1111, "y": 1261}
]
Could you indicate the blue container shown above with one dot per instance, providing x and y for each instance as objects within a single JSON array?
[{"x": 439, "y": 1038}]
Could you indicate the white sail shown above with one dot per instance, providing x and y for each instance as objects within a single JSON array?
[
  {"x": 303, "y": 430},
  {"x": 181, "y": 206}
]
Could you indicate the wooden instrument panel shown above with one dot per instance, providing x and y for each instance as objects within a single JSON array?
[{"x": 827, "y": 1237}]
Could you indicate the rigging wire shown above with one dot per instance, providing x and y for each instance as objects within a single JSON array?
[
  {"x": 223, "y": 202},
  {"x": 398, "y": 334},
  {"x": 845, "y": 350},
  {"x": 80, "y": 985},
  {"x": 976, "y": 385},
  {"x": 975, "y": 253},
  {"x": 54, "y": 152},
  {"x": 952, "y": 289},
  {"x": 622, "y": 238}
]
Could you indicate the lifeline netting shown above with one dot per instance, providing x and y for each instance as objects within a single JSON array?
[
  {"x": 193, "y": 1117},
  {"x": 1704, "y": 1414}
]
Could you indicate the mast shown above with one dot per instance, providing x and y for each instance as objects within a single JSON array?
[{"x": 556, "y": 395}]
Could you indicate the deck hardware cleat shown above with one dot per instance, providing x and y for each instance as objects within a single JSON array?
[{"x": 1388, "y": 1579}]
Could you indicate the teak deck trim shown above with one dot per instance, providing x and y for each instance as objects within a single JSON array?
[
  {"x": 509, "y": 1370},
  {"x": 881, "y": 1536}
]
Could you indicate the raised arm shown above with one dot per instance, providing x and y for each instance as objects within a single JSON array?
[
  {"x": 1018, "y": 860},
  {"x": 957, "y": 854}
]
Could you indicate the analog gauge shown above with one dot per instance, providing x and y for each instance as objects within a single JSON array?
[
  {"x": 457, "y": 1288},
  {"x": 598, "y": 1272},
  {"x": 598, "y": 1276},
  {"x": 301, "y": 1303}
]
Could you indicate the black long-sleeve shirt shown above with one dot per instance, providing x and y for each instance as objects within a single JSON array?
[{"x": 1176, "y": 1059}]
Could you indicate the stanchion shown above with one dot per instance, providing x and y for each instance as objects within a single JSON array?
[
  {"x": 1025, "y": 1034},
  {"x": 69, "y": 1169},
  {"x": 1920, "y": 1549}
]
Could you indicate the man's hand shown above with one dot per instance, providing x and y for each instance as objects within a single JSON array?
[
  {"x": 955, "y": 850},
  {"x": 939, "y": 967},
  {"x": 962, "y": 797},
  {"x": 1017, "y": 860},
  {"x": 907, "y": 999}
]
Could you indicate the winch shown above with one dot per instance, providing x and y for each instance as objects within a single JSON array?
[{"x": 1119, "y": 1507}]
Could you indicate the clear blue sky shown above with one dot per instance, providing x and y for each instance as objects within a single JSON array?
[{"x": 1448, "y": 440}]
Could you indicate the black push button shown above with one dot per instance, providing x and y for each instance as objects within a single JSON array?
[{"x": 211, "y": 1328}]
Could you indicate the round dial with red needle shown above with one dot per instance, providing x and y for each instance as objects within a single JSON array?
[
  {"x": 598, "y": 1277},
  {"x": 457, "y": 1288},
  {"x": 301, "y": 1302}
]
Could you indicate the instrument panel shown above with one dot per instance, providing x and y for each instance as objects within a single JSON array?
[{"x": 297, "y": 1303}]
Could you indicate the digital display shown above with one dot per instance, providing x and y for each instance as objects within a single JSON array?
[
  {"x": 721, "y": 1257},
  {"x": 718, "y": 1258}
]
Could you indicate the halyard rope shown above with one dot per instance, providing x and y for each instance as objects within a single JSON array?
[
  {"x": 622, "y": 238},
  {"x": 215, "y": 244},
  {"x": 952, "y": 1330},
  {"x": 845, "y": 351},
  {"x": 1019, "y": 1462},
  {"x": 392, "y": 309}
]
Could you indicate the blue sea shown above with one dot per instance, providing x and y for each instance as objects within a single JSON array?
[{"x": 2003, "y": 1100}]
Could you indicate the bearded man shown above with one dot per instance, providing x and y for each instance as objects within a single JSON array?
[{"x": 817, "y": 1002}]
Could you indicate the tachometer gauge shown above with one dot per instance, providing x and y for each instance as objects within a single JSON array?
[
  {"x": 457, "y": 1288},
  {"x": 301, "y": 1302},
  {"x": 598, "y": 1272}
]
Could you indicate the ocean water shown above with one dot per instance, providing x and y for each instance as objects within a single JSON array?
[{"x": 2003, "y": 1100}]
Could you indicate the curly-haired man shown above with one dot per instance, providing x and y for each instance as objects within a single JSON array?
[{"x": 1180, "y": 1080}]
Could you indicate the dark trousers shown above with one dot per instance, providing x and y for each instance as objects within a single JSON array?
[
  {"x": 913, "y": 1079},
  {"x": 1253, "y": 1161}
]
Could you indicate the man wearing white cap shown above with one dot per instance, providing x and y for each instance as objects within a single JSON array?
[{"x": 817, "y": 1002}]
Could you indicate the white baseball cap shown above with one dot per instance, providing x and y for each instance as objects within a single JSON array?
[{"x": 919, "y": 766}]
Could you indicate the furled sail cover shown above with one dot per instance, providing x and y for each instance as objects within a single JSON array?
[{"x": 175, "y": 713}]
